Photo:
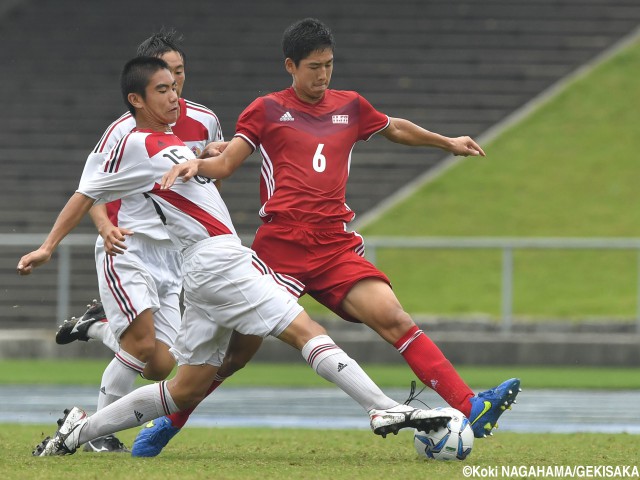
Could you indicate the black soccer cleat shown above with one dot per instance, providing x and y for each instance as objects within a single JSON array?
[
  {"x": 76, "y": 328},
  {"x": 108, "y": 444}
]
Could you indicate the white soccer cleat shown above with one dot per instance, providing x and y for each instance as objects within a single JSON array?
[
  {"x": 65, "y": 440},
  {"x": 405, "y": 416}
]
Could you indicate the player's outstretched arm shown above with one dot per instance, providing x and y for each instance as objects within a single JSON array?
[
  {"x": 186, "y": 170},
  {"x": 70, "y": 216},
  {"x": 408, "y": 133},
  {"x": 220, "y": 166},
  {"x": 213, "y": 149}
]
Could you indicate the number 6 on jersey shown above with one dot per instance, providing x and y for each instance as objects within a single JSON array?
[{"x": 319, "y": 160}]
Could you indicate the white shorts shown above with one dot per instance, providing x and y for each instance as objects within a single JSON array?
[
  {"x": 227, "y": 287},
  {"x": 147, "y": 275}
]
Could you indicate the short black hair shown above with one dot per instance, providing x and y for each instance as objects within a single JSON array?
[
  {"x": 161, "y": 42},
  {"x": 304, "y": 37},
  {"x": 136, "y": 75}
]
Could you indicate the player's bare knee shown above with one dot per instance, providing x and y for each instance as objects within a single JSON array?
[
  {"x": 156, "y": 372},
  {"x": 186, "y": 395},
  {"x": 301, "y": 330},
  {"x": 194, "y": 395},
  {"x": 402, "y": 320},
  {"x": 143, "y": 349},
  {"x": 160, "y": 364},
  {"x": 231, "y": 365},
  {"x": 141, "y": 345},
  {"x": 393, "y": 325}
]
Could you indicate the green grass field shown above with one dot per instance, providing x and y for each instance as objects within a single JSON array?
[
  {"x": 565, "y": 171},
  {"x": 231, "y": 453},
  {"x": 246, "y": 453}
]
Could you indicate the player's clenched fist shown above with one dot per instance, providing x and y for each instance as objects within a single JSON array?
[{"x": 33, "y": 260}]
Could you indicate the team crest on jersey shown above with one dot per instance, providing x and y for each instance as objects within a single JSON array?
[
  {"x": 287, "y": 117},
  {"x": 197, "y": 151},
  {"x": 342, "y": 119}
]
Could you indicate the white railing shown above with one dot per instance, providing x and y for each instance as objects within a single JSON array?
[
  {"x": 63, "y": 283},
  {"x": 507, "y": 245}
]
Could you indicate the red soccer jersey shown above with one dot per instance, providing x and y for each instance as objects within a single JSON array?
[{"x": 306, "y": 151}]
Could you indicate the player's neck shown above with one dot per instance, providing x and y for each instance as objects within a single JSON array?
[
  {"x": 163, "y": 129},
  {"x": 306, "y": 98},
  {"x": 148, "y": 124}
]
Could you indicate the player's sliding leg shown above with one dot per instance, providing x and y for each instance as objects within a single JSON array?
[
  {"x": 328, "y": 360},
  {"x": 136, "y": 408},
  {"x": 156, "y": 434},
  {"x": 91, "y": 325},
  {"x": 433, "y": 369},
  {"x": 334, "y": 365},
  {"x": 372, "y": 301},
  {"x": 142, "y": 354},
  {"x": 118, "y": 379}
]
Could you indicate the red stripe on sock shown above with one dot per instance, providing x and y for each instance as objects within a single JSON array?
[{"x": 179, "y": 419}]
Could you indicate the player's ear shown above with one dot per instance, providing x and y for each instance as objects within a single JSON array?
[
  {"x": 289, "y": 65},
  {"x": 135, "y": 99}
]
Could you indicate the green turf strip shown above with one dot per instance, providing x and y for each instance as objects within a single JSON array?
[{"x": 89, "y": 372}]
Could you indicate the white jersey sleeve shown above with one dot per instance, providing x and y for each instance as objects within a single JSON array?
[
  {"x": 114, "y": 132},
  {"x": 125, "y": 171},
  {"x": 111, "y": 136},
  {"x": 92, "y": 165}
]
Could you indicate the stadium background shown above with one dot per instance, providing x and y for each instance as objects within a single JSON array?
[{"x": 455, "y": 67}]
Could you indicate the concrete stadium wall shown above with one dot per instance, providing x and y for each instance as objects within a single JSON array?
[{"x": 551, "y": 344}]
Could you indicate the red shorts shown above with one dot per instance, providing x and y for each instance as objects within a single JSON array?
[{"x": 328, "y": 261}]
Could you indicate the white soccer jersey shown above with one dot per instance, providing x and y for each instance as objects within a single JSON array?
[
  {"x": 190, "y": 211},
  {"x": 196, "y": 127}
]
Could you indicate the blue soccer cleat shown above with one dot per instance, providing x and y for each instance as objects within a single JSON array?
[
  {"x": 486, "y": 407},
  {"x": 153, "y": 438}
]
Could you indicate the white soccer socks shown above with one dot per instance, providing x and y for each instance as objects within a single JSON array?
[{"x": 334, "y": 365}]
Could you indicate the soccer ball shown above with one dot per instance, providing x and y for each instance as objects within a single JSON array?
[{"x": 453, "y": 442}]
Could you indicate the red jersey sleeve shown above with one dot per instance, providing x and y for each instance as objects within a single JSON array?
[
  {"x": 251, "y": 122},
  {"x": 371, "y": 120}
]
